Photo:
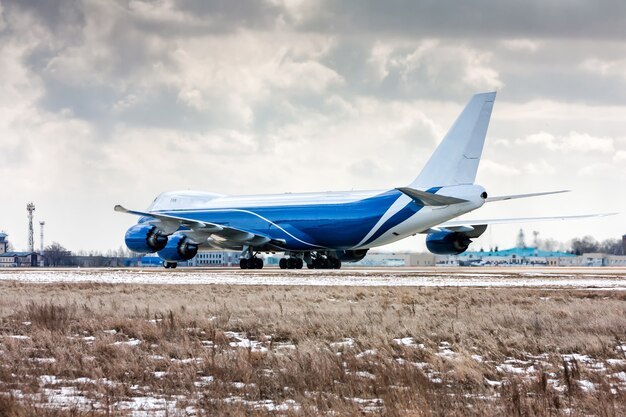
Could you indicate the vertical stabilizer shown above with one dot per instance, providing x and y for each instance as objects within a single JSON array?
[{"x": 455, "y": 161}]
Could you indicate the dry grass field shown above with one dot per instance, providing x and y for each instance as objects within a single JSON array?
[{"x": 82, "y": 349}]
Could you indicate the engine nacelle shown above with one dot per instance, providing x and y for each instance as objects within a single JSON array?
[
  {"x": 145, "y": 238},
  {"x": 447, "y": 243},
  {"x": 178, "y": 249},
  {"x": 351, "y": 255}
]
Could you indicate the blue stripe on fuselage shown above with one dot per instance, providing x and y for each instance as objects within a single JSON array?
[{"x": 336, "y": 226}]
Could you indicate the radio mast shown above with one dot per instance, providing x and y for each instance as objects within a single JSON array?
[
  {"x": 30, "y": 207},
  {"x": 41, "y": 225}
]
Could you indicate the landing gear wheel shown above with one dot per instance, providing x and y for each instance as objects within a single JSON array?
[
  {"x": 258, "y": 263},
  {"x": 291, "y": 263},
  {"x": 169, "y": 265},
  {"x": 243, "y": 263},
  {"x": 310, "y": 265},
  {"x": 299, "y": 263},
  {"x": 282, "y": 263},
  {"x": 335, "y": 263}
]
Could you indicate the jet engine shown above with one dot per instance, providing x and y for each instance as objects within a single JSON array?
[
  {"x": 145, "y": 238},
  {"x": 351, "y": 255},
  {"x": 179, "y": 248},
  {"x": 448, "y": 243}
]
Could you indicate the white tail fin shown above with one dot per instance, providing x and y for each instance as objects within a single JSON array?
[{"x": 455, "y": 161}]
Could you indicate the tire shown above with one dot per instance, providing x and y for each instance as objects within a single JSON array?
[
  {"x": 310, "y": 265},
  {"x": 243, "y": 263},
  {"x": 258, "y": 263},
  {"x": 299, "y": 263},
  {"x": 291, "y": 263},
  {"x": 282, "y": 263}
]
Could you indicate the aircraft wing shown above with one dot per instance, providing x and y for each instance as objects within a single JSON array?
[
  {"x": 201, "y": 231},
  {"x": 471, "y": 225}
]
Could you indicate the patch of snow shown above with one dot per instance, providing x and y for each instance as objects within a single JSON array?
[
  {"x": 440, "y": 278},
  {"x": 43, "y": 360},
  {"x": 369, "y": 352},
  {"x": 616, "y": 362},
  {"x": 507, "y": 368},
  {"x": 493, "y": 383},
  {"x": 445, "y": 350},
  {"x": 112, "y": 331},
  {"x": 577, "y": 357},
  {"x": 203, "y": 381},
  {"x": 407, "y": 341},
  {"x": 346, "y": 342},
  {"x": 243, "y": 342},
  {"x": 48, "y": 379},
  {"x": 586, "y": 385},
  {"x": 159, "y": 374},
  {"x": 130, "y": 342},
  {"x": 620, "y": 375},
  {"x": 19, "y": 337}
]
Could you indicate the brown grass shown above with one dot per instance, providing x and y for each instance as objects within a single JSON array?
[{"x": 184, "y": 338}]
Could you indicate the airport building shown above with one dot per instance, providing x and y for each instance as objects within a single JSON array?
[
  {"x": 530, "y": 257},
  {"x": 396, "y": 259},
  {"x": 216, "y": 258},
  {"x": 15, "y": 259},
  {"x": 204, "y": 258}
]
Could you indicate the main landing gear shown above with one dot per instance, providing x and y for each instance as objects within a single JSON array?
[
  {"x": 249, "y": 259},
  {"x": 317, "y": 260},
  {"x": 291, "y": 263},
  {"x": 252, "y": 263},
  {"x": 324, "y": 262},
  {"x": 169, "y": 265}
]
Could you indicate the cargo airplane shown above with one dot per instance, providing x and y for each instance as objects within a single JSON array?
[{"x": 322, "y": 230}]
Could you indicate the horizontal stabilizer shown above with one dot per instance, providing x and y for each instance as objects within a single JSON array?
[
  {"x": 429, "y": 199},
  {"x": 514, "y": 196}
]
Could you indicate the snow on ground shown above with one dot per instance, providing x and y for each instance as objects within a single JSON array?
[{"x": 613, "y": 279}]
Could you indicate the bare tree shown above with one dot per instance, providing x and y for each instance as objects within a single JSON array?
[
  {"x": 56, "y": 255},
  {"x": 611, "y": 247},
  {"x": 586, "y": 244}
]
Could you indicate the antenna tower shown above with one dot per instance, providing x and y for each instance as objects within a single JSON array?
[
  {"x": 521, "y": 241},
  {"x": 30, "y": 207},
  {"x": 41, "y": 225}
]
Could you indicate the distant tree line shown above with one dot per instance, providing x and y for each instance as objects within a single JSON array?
[
  {"x": 588, "y": 244},
  {"x": 56, "y": 255}
]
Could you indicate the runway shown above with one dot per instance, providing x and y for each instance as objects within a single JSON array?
[{"x": 581, "y": 278}]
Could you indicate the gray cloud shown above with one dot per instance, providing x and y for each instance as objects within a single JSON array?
[{"x": 483, "y": 19}]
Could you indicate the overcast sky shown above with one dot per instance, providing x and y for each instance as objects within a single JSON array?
[{"x": 107, "y": 102}]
